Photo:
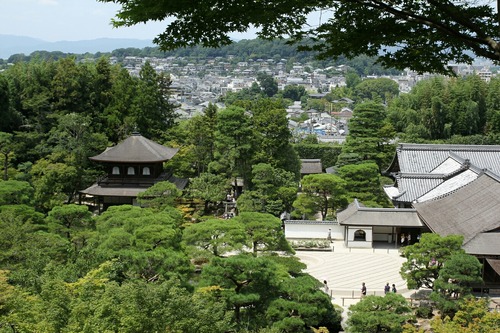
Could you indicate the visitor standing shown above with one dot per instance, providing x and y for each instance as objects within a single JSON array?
[
  {"x": 394, "y": 290},
  {"x": 363, "y": 290},
  {"x": 387, "y": 288}
]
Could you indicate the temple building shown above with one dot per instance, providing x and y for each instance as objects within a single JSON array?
[
  {"x": 132, "y": 166},
  {"x": 440, "y": 188}
]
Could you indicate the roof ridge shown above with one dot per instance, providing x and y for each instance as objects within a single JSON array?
[
  {"x": 446, "y": 147},
  {"x": 414, "y": 175}
]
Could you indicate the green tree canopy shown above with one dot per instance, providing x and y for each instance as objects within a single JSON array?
[
  {"x": 273, "y": 191},
  {"x": 472, "y": 316},
  {"x": 456, "y": 278},
  {"x": 146, "y": 243},
  {"x": 73, "y": 222},
  {"x": 375, "y": 314},
  {"x": 302, "y": 306},
  {"x": 327, "y": 190},
  {"x": 216, "y": 236},
  {"x": 381, "y": 89},
  {"x": 6, "y": 147},
  {"x": 14, "y": 192},
  {"x": 210, "y": 188},
  {"x": 268, "y": 84},
  {"x": 368, "y": 139},
  {"x": 201, "y": 136},
  {"x": 264, "y": 232},
  {"x": 248, "y": 284},
  {"x": 426, "y": 258},
  {"x": 160, "y": 195},
  {"x": 233, "y": 144},
  {"x": 364, "y": 183},
  {"x": 424, "y": 36},
  {"x": 151, "y": 110}
]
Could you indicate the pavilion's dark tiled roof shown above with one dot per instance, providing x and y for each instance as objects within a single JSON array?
[
  {"x": 136, "y": 149},
  {"x": 97, "y": 190}
]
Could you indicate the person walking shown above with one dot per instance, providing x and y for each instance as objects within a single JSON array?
[
  {"x": 394, "y": 290},
  {"x": 387, "y": 288},
  {"x": 363, "y": 290},
  {"x": 325, "y": 286}
]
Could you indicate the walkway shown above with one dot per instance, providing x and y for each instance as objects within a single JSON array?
[{"x": 345, "y": 269}]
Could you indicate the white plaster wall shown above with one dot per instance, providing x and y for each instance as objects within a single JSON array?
[
  {"x": 360, "y": 244},
  {"x": 352, "y": 230},
  {"x": 313, "y": 231},
  {"x": 350, "y": 237}
]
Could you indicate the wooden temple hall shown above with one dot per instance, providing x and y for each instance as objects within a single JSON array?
[{"x": 132, "y": 166}]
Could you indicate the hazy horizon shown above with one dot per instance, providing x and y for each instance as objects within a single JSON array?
[{"x": 74, "y": 20}]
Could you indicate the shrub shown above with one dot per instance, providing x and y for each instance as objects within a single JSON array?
[{"x": 424, "y": 311}]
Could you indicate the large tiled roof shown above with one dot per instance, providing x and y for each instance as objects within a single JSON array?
[
  {"x": 136, "y": 149},
  {"x": 412, "y": 186},
  {"x": 311, "y": 166},
  {"x": 449, "y": 184},
  {"x": 486, "y": 244},
  {"x": 356, "y": 214},
  {"x": 469, "y": 211},
  {"x": 424, "y": 158},
  {"x": 423, "y": 172},
  {"x": 423, "y": 187}
]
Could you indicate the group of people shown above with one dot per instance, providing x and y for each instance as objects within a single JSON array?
[
  {"x": 388, "y": 288},
  {"x": 405, "y": 239}
]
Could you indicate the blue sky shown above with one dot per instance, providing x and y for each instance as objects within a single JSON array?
[{"x": 57, "y": 20}]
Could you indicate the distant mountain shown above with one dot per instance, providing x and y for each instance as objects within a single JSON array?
[{"x": 10, "y": 44}]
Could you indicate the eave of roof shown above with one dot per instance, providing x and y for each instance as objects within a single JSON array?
[
  {"x": 99, "y": 191},
  {"x": 355, "y": 214},
  {"x": 486, "y": 244},
  {"x": 311, "y": 222},
  {"x": 468, "y": 211}
]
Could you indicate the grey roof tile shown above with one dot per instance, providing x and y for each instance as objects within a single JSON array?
[
  {"x": 136, "y": 149},
  {"x": 424, "y": 158},
  {"x": 468, "y": 211},
  {"x": 311, "y": 166},
  {"x": 356, "y": 214}
]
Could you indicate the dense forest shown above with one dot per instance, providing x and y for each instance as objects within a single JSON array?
[{"x": 166, "y": 266}]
